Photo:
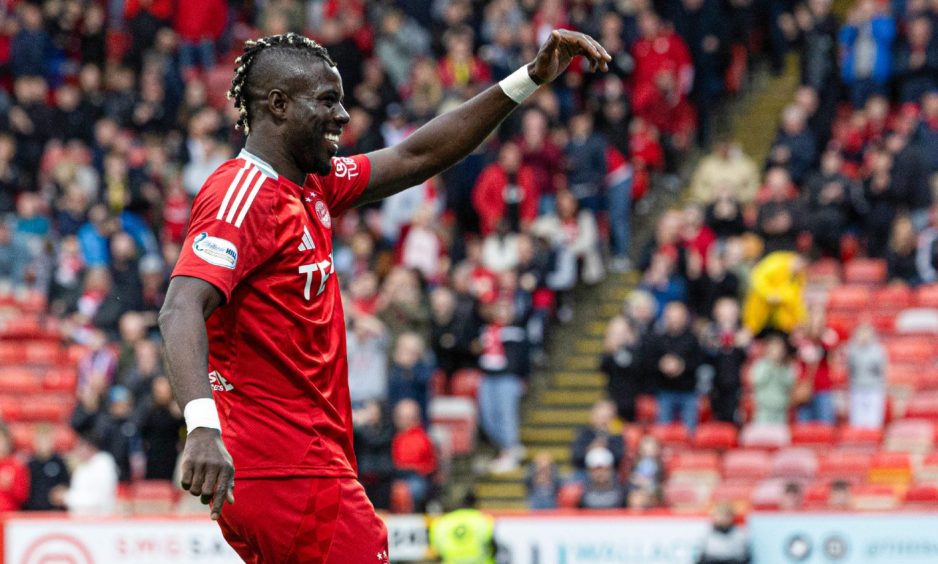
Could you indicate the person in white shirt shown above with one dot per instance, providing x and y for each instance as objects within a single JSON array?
[{"x": 93, "y": 488}]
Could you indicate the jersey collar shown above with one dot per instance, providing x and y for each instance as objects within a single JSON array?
[{"x": 259, "y": 163}]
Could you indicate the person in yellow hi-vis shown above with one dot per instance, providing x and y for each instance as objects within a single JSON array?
[
  {"x": 775, "y": 299},
  {"x": 464, "y": 536}
]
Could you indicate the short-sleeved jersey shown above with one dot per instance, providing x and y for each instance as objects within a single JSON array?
[{"x": 277, "y": 355}]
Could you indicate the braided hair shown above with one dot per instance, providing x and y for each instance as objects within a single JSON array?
[{"x": 287, "y": 42}]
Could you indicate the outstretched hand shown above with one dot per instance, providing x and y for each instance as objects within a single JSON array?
[
  {"x": 555, "y": 55},
  {"x": 207, "y": 471}
]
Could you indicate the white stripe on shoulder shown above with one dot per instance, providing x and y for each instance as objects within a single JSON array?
[
  {"x": 231, "y": 188},
  {"x": 259, "y": 163},
  {"x": 241, "y": 192},
  {"x": 250, "y": 200}
]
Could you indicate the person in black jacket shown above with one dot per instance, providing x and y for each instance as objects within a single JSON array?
[
  {"x": 725, "y": 345},
  {"x": 112, "y": 429},
  {"x": 621, "y": 363},
  {"x": 674, "y": 356},
  {"x": 505, "y": 364},
  {"x": 598, "y": 434},
  {"x": 47, "y": 473},
  {"x": 708, "y": 283},
  {"x": 373, "y": 436},
  {"x": 160, "y": 427},
  {"x": 831, "y": 200}
]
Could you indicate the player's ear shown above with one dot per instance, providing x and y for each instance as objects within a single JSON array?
[{"x": 277, "y": 103}]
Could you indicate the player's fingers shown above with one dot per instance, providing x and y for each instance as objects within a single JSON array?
[
  {"x": 604, "y": 56},
  {"x": 221, "y": 491},
  {"x": 198, "y": 475},
  {"x": 554, "y": 40},
  {"x": 187, "y": 470},
  {"x": 208, "y": 484},
  {"x": 587, "y": 48}
]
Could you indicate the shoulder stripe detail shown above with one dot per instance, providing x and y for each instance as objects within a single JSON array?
[
  {"x": 231, "y": 188},
  {"x": 241, "y": 192},
  {"x": 247, "y": 205}
]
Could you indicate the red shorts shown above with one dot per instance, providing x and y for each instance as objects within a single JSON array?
[{"x": 321, "y": 520}]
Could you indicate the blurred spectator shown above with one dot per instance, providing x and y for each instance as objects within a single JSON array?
[
  {"x": 813, "y": 393},
  {"x": 199, "y": 25},
  {"x": 410, "y": 372},
  {"x": 709, "y": 280},
  {"x": 399, "y": 42},
  {"x": 917, "y": 60},
  {"x": 866, "y": 365},
  {"x": 48, "y": 474},
  {"x": 14, "y": 258},
  {"x": 14, "y": 475},
  {"x": 725, "y": 213},
  {"x": 464, "y": 535},
  {"x": 775, "y": 296},
  {"x": 832, "y": 199},
  {"x": 454, "y": 327},
  {"x": 373, "y": 437},
  {"x": 622, "y": 364},
  {"x": 662, "y": 281},
  {"x": 883, "y": 199},
  {"x": 93, "y": 487},
  {"x": 909, "y": 178},
  {"x": 779, "y": 216},
  {"x": 412, "y": 451},
  {"x": 648, "y": 473},
  {"x": 772, "y": 379},
  {"x": 727, "y": 168},
  {"x": 640, "y": 310},
  {"x": 542, "y": 482},
  {"x": 542, "y": 156},
  {"x": 794, "y": 148},
  {"x": 726, "y": 346},
  {"x": 674, "y": 355},
  {"x": 598, "y": 434},
  {"x": 586, "y": 162},
  {"x": 792, "y": 497},
  {"x": 506, "y": 190},
  {"x": 865, "y": 43},
  {"x": 619, "y": 181},
  {"x": 367, "y": 344},
  {"x": 111, "y": 426},
  {"x": 504, "y": 361},
  {"x": 31, "y": 47},
  {"x": 161, "y": 426},
  {"x": 602, "y": 489},
  {"x": 840, "y": 498},
  {"x": 902, "y": 254},
  {"x": 725, "y": 543}
]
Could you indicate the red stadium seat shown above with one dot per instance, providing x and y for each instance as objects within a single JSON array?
[
  {"x": 19, "y": 380},
  {"x": 671, "y": 435},
  {"x": 907, "y": 377},
  {"x": 849, "y": 298},
  {"x": 685, "y": 496},
  {"x": 715, "y": 435},
  {"x": 767, "y": 494},
  {"x": 757, "y": 435},
  {"x": 849, "y": 465},
  {"x": 874, "y": 497},
  {"x": 646, "y": 408},
  {"x": 817, "y": 435},
  {"x": 911, "y": 349},
  {"x": 922, "y": 495},
  {"x": 927, "y": 296},
  {"x": 890, "y": 468},
  {"x": 824, "y": 272},
  {"x": 697, "y": 467},
  {"x": 895, "y": 297},
  {"x": 43, "y": 353},
  {"x": 152, "y": 496},
  {"x": 11, "y": 353},
  {"x": 459, "y": 416},
  {"x": 32, "y": 302},
  {"x": 22, "y": 436},
  {"x": 816, "y": 495},
  {"x": 736, "y": 493},
  {"x": 927, "y": 471},
  {"x": 923, "y": 406},
  {"x": 64, "y": 437},
  {"x": 861, "y": 438},
  {"x": 60, "y": 379},
  {"x": 795, "y": 463},
  {"x": 746, "y": 465},
  {"x": 918, "y": 320},
  {"x": 910, "y": 435},
  {"x": 865, "y": 271}
]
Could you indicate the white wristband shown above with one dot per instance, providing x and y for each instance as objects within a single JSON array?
[
  {"x": 201, "y": 413},
  {"x": 518, "y": 85}
]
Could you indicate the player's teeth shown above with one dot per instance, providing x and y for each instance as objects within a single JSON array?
[{"x": 331, "y": 137}]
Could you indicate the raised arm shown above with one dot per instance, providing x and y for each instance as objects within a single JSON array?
[
  {"x": 448, "y": 138},
  {"x": 207, "y": 470}
]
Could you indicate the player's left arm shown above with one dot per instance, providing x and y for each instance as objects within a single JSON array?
[{"x": 448, "y": 138}]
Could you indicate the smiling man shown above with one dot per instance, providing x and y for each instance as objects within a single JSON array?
[{"x": 252, "y": 326}]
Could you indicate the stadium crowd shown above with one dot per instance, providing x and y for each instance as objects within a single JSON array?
[
  {"x": 112, "y": 114},
  {"x": 730, "y": 319}
]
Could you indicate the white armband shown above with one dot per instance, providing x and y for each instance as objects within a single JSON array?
[
  {"x": 518, "y": 85},
  {"x": 201, "y": 413}
]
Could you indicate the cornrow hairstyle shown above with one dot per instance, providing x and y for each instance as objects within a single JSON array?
[{"x": 252, "y": 48}]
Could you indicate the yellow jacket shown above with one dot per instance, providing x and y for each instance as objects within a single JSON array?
[
  {"x": 464, "y": 536},
  {"x": 775, "y": 291}
]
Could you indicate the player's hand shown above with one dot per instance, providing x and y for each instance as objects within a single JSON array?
[
  {"x": 561, "y": 47},
  {"x": 207, "y": 470}
]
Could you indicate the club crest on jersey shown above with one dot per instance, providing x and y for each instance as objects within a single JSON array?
[
  {"x": 215, "y": 250},
  {"x": 322, "y": 212}
]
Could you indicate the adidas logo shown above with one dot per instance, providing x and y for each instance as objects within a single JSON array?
[{"x": 307, "y": 244}]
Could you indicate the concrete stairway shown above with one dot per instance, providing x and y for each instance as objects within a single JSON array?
[{"x": 560, "y": 397}]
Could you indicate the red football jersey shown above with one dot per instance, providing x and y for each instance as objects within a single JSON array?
[{"x": 277, "y": 357}]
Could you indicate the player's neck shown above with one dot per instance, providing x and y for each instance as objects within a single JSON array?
[{"x": 276, "y": 157}]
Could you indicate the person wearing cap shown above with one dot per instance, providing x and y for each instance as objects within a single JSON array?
[{"x": 603, "y": 490}]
